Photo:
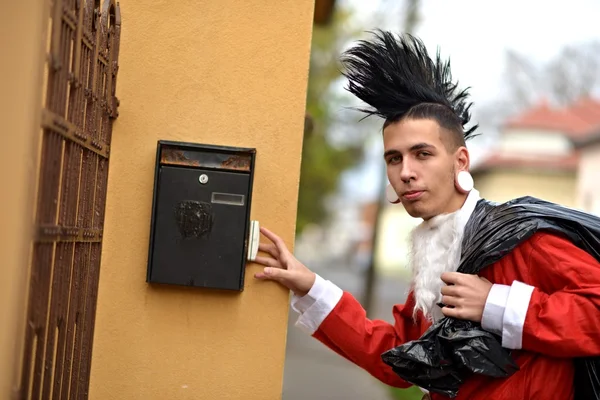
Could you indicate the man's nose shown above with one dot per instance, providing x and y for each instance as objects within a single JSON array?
[{"x": 407, "y": 172}]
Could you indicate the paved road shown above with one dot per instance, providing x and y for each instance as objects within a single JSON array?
[{"x": 314, "y": 372}]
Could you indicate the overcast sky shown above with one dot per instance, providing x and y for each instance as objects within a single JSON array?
[{"x": 475, "y": 34}]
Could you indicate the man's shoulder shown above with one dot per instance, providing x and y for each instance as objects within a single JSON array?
[
  {"x": 547, "y": 242},
  {"x": 548, "y": 238}
]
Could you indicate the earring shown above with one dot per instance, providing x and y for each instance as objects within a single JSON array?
[
  {"x": 391, "y": 194},
  {"x": 464, "y": 181}
]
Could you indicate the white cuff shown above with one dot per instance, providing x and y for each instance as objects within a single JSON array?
[
  {"x": 493, "y": 312},
  {"x": 301, "y": 304},
  {"x": 316, "y": 305},
  {"x": 517, "y": 305}
]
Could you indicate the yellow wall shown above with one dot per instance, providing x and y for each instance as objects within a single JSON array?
[
  {"x": 502, "y": 186},
  {"x": 22, "y": 41},
  {"x": 222, "y": 72}
]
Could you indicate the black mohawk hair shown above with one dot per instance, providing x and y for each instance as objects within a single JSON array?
[{"x": 392, "y": 75}]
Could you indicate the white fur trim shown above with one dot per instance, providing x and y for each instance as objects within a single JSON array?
[
  {"x": 493, "y": 312},
  {"x": 316, "y": 305},
  {"x": 517, "y": 305}
]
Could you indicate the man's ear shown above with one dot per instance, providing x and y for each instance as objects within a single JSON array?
[{"x": 463, "y": 160}]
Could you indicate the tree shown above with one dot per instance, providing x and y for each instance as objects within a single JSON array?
[
  {"x": 575, "y": 73},
  {"x": 323, "y": 158},
  {"x": 572, "y": 74}
]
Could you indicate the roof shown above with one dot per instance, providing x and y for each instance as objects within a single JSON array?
[
  {"x": 576, "y": 120},
  {"x": 499, "y": 161},
  {"x": 588, "y": 140},
  {"x": 323, "y": 11}
]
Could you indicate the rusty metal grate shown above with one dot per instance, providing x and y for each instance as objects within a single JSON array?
[{"x": 80, "y": 105}]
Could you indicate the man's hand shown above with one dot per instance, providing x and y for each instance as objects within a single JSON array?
[
  {"x": 465, "y": 295},
  {"x": 282, "y": 266}
]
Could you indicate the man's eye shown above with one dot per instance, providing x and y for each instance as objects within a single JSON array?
[
  {"x": 423, "y": 154},
  {"x": 394, "y": 159}
]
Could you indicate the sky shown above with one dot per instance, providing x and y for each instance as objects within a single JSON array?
[{"x": 475, "y": 35}]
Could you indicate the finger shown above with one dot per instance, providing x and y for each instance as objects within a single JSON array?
[
  {"x": 458, "y": 278},
  {"x": 485, "y": 280},
  {"x": 451, "y": 301},
  {"x": 279, "y": 243},
  {"x": 452, "y": 312},
  {"x": 452, "y": 278},
  {"x": 284, "y": 254},
  {"x": 269, "y": 235},
  {"x": 276, "y": 274},
  {"x": 269, "y": 248},
  {"x": 450, "y": 291},
  {"x": 268, "y": 262}
]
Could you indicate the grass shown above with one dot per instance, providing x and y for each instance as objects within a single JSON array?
[{"x": 412, "y": 393}]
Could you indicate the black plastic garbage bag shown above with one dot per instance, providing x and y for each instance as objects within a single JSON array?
[
  {"x": 445, "y": 355},
  {"x": 451, "y": 349}
]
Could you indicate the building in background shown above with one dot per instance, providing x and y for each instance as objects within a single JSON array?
[
  {"x": 536, "y": 154},
  {"x": 588, "y": 188}
]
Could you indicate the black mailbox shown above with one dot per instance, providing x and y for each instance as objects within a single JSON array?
[{"x": 201, "y": 215}]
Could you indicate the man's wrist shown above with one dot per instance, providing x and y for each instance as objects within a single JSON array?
[
  {"x": 495, "y": 305},
  {"x": 316, "y": 305},
  {"x": 307, "y": 286},
  {"x": 302, "y": 303}
]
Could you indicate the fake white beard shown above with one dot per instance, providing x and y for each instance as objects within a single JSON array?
[{"x": 436, "y": 247}]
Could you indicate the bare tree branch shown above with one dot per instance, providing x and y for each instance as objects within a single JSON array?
[
  {"x": 522, "y": 79},
  {"x": 574, "y": 73}
]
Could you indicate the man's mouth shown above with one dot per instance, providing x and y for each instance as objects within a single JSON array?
[{"x": 412, "y": 195}]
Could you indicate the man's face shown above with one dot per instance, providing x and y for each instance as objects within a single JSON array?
[{"x": 421, "y": 168}]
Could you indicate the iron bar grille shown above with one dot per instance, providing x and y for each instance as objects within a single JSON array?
[{"x": 79, "y": 106}]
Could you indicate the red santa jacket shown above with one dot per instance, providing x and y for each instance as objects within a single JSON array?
[{"x": 552, "y": 315}]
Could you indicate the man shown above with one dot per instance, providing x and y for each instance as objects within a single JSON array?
[{"x": 543, "y": 298}]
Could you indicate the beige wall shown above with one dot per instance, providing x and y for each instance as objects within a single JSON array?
[
  {"x": 220, "y": 72},
  {"x": 22, "y": 41},
  {"x": 502, "y": 186},
  {"x": 534, "y": 142},
  {"x": 588, "y": 188},
  {"x": 394, "y": 239}
]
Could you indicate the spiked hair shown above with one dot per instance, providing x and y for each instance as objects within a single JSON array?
[{"x": 398, "y": 79}]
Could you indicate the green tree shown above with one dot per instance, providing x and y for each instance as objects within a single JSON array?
[{"x": 323, "y": 158}]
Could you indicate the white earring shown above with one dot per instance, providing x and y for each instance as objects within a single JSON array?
[
  {"x": 464, "y": 181},
  {"x": 391, "y": 194}
]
